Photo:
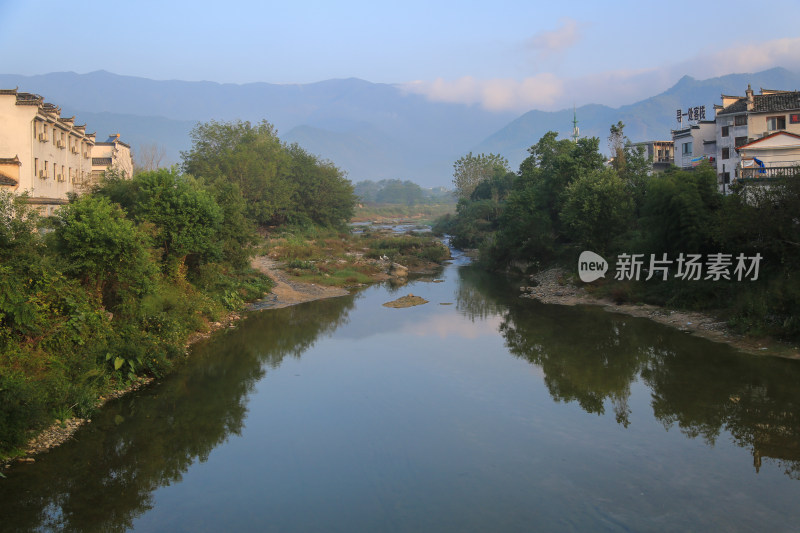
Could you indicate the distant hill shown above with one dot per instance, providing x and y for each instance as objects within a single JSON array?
[
  {"x": 372, "y": 131},
  {"x": 650, "y": 119}
]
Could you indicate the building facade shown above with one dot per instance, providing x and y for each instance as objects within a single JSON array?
[
  {"x": 111, "y": 153},
  {"x": 660, "y": 154},
  {"x": 44, "y": 154},
  {"x": 743, "y": 120},
  {"x": 694, "y": 144}
]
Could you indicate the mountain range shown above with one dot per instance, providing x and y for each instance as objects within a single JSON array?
[{"x": 373, "y": 131}]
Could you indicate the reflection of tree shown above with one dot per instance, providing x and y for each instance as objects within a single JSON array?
[
  {"x": 586, "y": 356},
  {"x": 104, "y": 481},
  {"x": 481, "y": 294},
  {"x": 590, "y": 357},
  {"x": 755, "y": 399}
]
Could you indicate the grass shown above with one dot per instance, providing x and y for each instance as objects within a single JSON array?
[
  {"x": 419, "y": 214},
  {"x": 337, "y": 258}
]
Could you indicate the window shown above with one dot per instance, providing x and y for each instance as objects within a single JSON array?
[
  {"x": 36, "y": 166},
  {"x": 686, "y": 149},
  {"x": 725, "y": 130},
  {"x": 45, "y": 168},
  {"x": 739, "y": 141},
  {"x": 726, "y": 177},
  {"x": 740, "y": 120},
  {"x": 776, "y": 123},
  {"x": 726, "y": 153},
  {"x": 794, "y": 118}
]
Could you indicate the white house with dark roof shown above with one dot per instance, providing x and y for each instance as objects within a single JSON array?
[
  {"x": 743, "y": 120},
  {"x": 42, "y": 153},
  {"x": 694, "y": 143},
  {"x": 111, "y": 153},
  {"x": 773, "y": 156}
]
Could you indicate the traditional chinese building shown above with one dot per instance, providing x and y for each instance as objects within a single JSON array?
[
  {"x": 694, "y": 144},
  {"x": 744, "y": 121},
  {"x": 44, "y": 154},
  {"x": 111, "y": 153}
]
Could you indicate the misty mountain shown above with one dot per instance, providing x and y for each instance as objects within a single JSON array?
[
  {"x": 647, "y": 120},
  {"x": 371, "y": 130}
]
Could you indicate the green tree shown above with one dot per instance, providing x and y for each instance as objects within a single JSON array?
[
  {"x": 185, "y": 220},
  {"x": 322, "y": 194},
  {"x": 102, "y": 248},
  {"x": 252, "y": 157},
  {"x": 599, "y": 208},
  {"x": 470, "y": 170}
]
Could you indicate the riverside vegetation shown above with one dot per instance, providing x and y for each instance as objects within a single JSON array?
[
  {"x": 110, "y": 289},
  {"x": 564, "y": 199}
]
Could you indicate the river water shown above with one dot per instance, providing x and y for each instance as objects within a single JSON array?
[{"x": 479, "y": 411}]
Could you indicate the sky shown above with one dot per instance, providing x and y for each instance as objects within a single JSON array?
[{"x": 502, "y": 55}]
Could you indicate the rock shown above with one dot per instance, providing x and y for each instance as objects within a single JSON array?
[
  {"x": 406, "y": 301},
  {"x": 398, "y": 270}
]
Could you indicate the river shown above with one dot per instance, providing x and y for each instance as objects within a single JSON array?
[{"x": 478, "y": 411}]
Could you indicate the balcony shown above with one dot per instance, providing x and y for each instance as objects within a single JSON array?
[{"x": 757, "y": 173}]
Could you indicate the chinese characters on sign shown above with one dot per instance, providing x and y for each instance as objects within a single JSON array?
[
  {"x": 689, "y": 267},
  {"x": 693, "y": 113}
]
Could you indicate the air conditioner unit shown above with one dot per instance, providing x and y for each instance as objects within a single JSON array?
[
  {"x": 74, "y": 150},
  {"x": 43, "y": 137},
  {"x": 86, "y": 155},
  {"x": 42, "y": 174}
]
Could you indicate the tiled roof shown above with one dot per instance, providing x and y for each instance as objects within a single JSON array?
[
  {"x": 10, "y": 160},
  {"x": 777, "y": 133},
  {"x": 736, "y": 107},
  {"x": 7, "y": 180},
  {"x": 766, "y": 103},
  {"x": 786, "y": 101}
]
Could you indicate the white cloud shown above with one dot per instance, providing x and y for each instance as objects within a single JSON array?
[
  {"x": 546, "y": 43},
  {"x": 548, "y": 91},
  {"x": 747, "y": 57},
  {"x": 502, "y": 94}
]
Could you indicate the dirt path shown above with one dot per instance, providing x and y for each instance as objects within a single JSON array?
[
  {"x": 288, "y": 292},
  {"x": 550, "y": 290}
]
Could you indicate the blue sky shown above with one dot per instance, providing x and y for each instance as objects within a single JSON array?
[{"x": 515, "y": 55}]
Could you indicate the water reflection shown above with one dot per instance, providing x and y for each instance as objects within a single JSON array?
[
  {"x": 104, "y": 479},
  {"x": 592, "y": 357}
]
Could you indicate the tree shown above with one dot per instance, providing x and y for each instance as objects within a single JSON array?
[
  {"x": 252, "y": 157},
  {"x": 616, "y": 145},
  {"x": 102, "y": 248},
  {"x": 470, "y": 170},
  {"x": 598, "y": 208},
  {"x": 322, "y": 194},
  {"x": 185, "y": 218},
  {"x": 150, "y": 156}
]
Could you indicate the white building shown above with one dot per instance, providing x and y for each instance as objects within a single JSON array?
[
  {"x": 112, "y": 153},
  {"x": 44, "y": 154},
  {"x": 776, "y": 155},
  {"x": 694, "y": 144},
  {"x": 743, "y": 120}
]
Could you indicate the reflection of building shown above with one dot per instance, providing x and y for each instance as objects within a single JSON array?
[
  {"x": 694, "y": 144},
  {"x": 112, "y": 153},
  {"x": 44, "y": 154},
  {"x": 745, "y": 120},
  {"x": 660, "y": 154}
]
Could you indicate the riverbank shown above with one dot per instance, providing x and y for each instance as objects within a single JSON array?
[
  {"x": 552, "y": 286},
  {"x": 288, "y": 289}
]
